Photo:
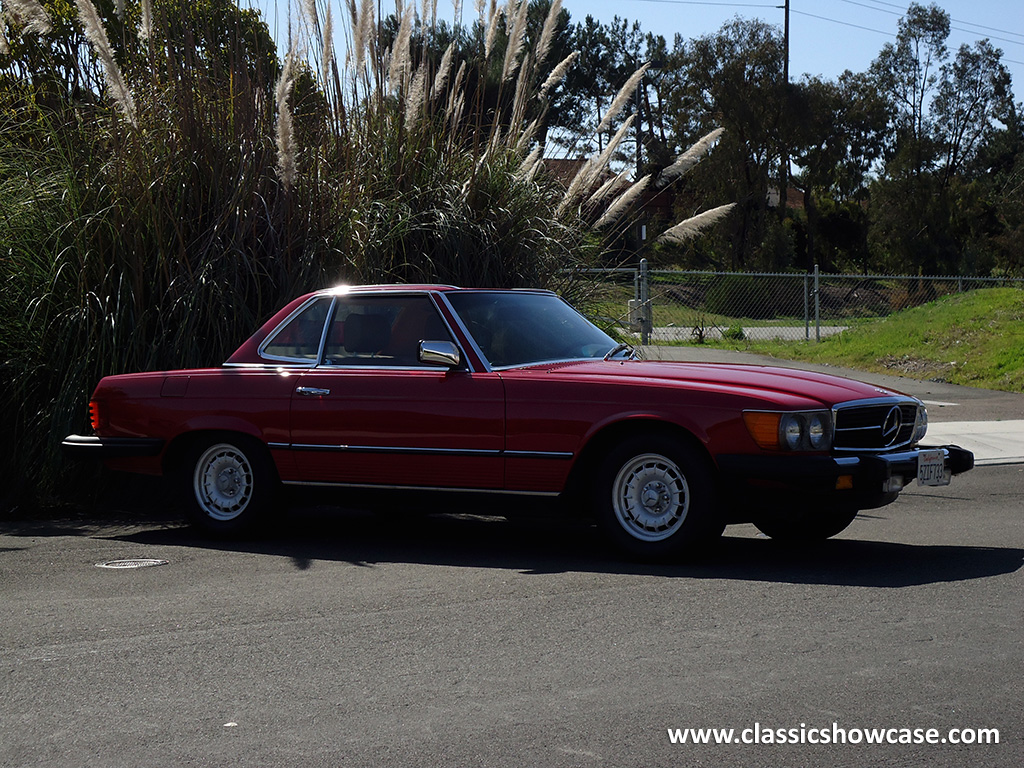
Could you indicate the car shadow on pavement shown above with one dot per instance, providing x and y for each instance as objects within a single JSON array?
[{"x": 545, "y": 545}]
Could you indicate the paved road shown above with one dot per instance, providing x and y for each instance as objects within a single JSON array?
[
  {"x": 363, "y": 640},
  {"x": 661, "y": 334}
]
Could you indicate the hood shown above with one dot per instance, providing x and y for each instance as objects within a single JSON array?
[{"x": 783, "y": 386}]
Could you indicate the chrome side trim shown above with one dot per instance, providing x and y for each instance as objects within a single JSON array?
[
  {"x": 291, "y": 316},
  {"x": 539, "y": 454},
  {"x": 271, "y": 366},
  {"x": 441, "y": 489},
  {"x": 322, "y": 448}
]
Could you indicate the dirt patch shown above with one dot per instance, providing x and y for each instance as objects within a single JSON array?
[{"x": 917, "y": 367}]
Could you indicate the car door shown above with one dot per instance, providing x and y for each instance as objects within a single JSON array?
[{"x": 372, "y": 414}]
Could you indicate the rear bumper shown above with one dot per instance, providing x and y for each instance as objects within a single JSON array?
[
  {"x": 94, "y": 447},
  {"x": 866, "y": 480}
]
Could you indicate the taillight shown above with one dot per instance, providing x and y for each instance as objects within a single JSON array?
[{"x": 95, "y": 415}]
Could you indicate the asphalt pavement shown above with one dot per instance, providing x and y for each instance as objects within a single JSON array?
[{"x": 986, "y": 422}]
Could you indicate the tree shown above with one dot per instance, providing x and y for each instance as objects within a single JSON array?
[
  {"x": 973, "y": 94},
  {"x": 733, "y": 79}
]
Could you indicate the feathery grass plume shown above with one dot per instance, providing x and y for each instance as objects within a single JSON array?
[
  {"x": 400, "y": 52},
  {"x": 5, "y": 47},
  {"x": 526, "y": 168},
  {"x": 119, "y": 8},
  {"x": 693, "y": 226},
  {"x": 622, "y": 203},
  {"x": 443, "y": 70},
  {"x": 557, "y": 74},
  {"x": 287, "y": 164},
  {"x": 516, "y": 38},
  {"x": 526, "y": 137},
  {"x": 622, "y": 98},
  {"x": 146, "y": 20},
  {"x": 328, "y": 45},
  {"x": 479, "y": 6},
  {"x": 523, "y": 93},
  {"x": 97, "y": 37},
  {"x": 576, "y": 185},
  {"x": 605, "y": 157},
  {"x": 414, "y": 101},
  {"x": 612, "y": 186},
  {"x": 492, "y": 29},
  {"x": 31, "y": 14},
  {"x": 547, "y": 33},
  {"x": 364, "y": 33},
  {"x": 456, "y": 94},
  {"x": 308, "y": 10},
  {"x": 689, "y": 158}
]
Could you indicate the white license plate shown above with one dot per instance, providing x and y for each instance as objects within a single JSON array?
[{"x": 931, "y": 468}]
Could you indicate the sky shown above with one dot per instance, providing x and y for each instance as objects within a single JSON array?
[{"x": 827, "y": 37}]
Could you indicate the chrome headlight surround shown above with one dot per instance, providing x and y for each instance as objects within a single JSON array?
[
  {"x": 808, "y": 431},
  {"x": 920, "y": 424}
]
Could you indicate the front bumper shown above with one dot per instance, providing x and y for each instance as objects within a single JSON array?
[
  {"x": 94, "y": 447},
  {"x": 866, "y": 480}
]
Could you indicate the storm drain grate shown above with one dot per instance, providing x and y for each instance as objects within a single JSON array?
[{"x": 139, "y": 562}]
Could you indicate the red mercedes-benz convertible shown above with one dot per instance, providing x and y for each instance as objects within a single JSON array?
[{"x": 512, "y": 392}]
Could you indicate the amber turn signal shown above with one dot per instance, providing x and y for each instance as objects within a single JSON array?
[{"x": 763, "y": 427}]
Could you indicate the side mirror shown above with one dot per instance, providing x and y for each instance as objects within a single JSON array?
[{"x": 440, "y": 353}]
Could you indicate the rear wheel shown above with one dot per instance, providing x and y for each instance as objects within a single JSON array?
[
  {"x": 228, "y": 484},
  {"x": 816, "y": 525},
  {"x": 655, "y": 497}
]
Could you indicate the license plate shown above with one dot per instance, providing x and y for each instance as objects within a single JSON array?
[{"x": 931, "y": 468}]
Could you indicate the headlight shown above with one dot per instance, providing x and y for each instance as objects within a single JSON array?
[
  {"x": 790, "y": 431},
  {"x": 818, "y": 432}
]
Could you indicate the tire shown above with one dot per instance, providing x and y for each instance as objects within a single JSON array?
[
  {"x": 655, "y": 498},
  {"x": 816, "y": 525},
  {"x": 228, "y": 485}
]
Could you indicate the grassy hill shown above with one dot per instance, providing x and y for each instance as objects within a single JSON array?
[{"x": 975, "y": 339}]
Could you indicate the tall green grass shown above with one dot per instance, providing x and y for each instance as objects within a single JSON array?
[{"x": 164, "y": 191}]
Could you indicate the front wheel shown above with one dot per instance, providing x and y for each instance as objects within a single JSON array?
[
  {"x": 227, "y": 485},
  {"x": 655, "y": 497}
]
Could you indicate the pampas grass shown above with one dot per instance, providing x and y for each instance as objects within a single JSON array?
[
  {"x": 516, "y": 39},
  {"x": 689, "y": 158},
  {"x": 31, "y": 14},
  {"x": 622, "y": 203},
  {"x": 97, "y": 37},
  {"x": 287, "y": 162},
  {"x": 622, "y": 98},
  {"x": 687, "y": 230},
  {"x": 146, "y": 20}
]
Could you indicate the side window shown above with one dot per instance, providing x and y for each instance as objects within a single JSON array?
[
  {"x": 298, "y": 339},
  {"x": 382, "y": 331}
]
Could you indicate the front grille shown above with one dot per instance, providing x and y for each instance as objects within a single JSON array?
[{"x": 875, "y": 426}]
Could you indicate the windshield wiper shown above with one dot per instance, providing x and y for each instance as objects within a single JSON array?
[{"x": 619, "y": 348}]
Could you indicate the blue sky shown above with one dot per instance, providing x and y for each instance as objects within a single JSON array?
[{"x": 826, "y": 36}]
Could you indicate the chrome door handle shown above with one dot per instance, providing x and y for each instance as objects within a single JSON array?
[{"x": 312, "y": 391}]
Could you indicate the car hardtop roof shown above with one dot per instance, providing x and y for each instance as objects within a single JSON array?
[{"x": 340, "y": 290}]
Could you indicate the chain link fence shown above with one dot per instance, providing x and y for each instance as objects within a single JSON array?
[{"x": 661, "y": 306}]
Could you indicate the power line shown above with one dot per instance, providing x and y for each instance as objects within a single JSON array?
[
  {"x": 844, "y": 23},
  {"x": 956, "y": 21}
]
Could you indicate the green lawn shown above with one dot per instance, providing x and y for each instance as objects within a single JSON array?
[{"x": 974, "y": 338}]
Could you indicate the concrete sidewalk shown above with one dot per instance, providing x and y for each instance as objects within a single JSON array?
[
  {"x": 986, "y": 422},
  {"x": 991, "y": 442}
]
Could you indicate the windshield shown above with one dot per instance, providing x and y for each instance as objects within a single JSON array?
[{"x": 524, "y": 328}]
